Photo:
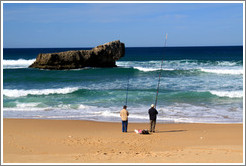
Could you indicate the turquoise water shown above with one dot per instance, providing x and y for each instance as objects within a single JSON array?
[{"x": 198, "y": 84}]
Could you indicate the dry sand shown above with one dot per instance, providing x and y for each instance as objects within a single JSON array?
[{"x": 75, "y": 141}]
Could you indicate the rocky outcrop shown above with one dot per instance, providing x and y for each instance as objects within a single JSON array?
[{"x": 104, "y": 55}]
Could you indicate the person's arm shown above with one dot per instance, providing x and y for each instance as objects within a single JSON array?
[
  {"x": 127, "y": 113},
  {"x": 156, "y": 111}
]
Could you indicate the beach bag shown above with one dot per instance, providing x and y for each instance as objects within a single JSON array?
[{"x": 145, "y": 131}]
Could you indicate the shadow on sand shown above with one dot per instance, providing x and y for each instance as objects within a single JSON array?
[
  {"x": 159, "y": 131},
  {"x": 170, "y": 131}
]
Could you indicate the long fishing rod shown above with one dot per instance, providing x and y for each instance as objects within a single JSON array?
[
  {"x": 127, "y": 87},
  {"x": 158, "y": 85}
]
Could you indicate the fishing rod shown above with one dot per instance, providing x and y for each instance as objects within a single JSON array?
[{"x": 158, "y": 85}]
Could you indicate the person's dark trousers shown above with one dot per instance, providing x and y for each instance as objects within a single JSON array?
[
  {"x": 152, "y": 125},
  {"x": 124, "y": 126}
]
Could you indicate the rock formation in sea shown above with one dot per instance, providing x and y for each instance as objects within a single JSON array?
[{"x": 104, "y": 55}]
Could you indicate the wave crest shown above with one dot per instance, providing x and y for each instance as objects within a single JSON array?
[
  {"x": 232, "y": 94},
  {"x": 224, "y": 71},
  {"x": 22, "y": 92},
  {"x": 218, "y": 67},
  {"x": 20, "y": 63}
]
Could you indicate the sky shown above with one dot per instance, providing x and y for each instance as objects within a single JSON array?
[{"x": 45, "y": 25}]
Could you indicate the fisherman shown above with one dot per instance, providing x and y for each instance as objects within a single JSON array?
[
  {"x": 124, "y": 117},
  {"x": 152, "y": 117}
]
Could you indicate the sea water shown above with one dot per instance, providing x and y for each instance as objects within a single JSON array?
[{"x": 197, "y": 85}]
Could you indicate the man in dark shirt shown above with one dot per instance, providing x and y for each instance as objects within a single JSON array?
[{"x": 152, "y": 116}]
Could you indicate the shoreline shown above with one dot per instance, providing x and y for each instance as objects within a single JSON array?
[
  {"x": 80, "y": 141},
  {"x": 132, "y": 122}
]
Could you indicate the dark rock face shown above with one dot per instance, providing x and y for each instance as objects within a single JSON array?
[{"x": 101, "y": 56}]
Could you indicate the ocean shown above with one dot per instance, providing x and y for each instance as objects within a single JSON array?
[{"x": 197, "y": 85}]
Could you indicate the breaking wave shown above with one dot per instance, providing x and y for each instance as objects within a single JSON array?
[
  {"x": 15, "y": 64},
  {"x": 22, "y": 92},
  {"x": 230, "y": 94},
  {"x": 218, "y": 67},
  {"x": 224, "y": 71}
]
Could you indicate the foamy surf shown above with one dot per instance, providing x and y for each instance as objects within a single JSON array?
[
  {"x": 175, "y": 113},
  {"x": 230, "y": 94},
  {"x": 145, "y": 69},
  {"x": 22, "y": 92},
  {"x": 222, "y": 67},
  {"x": 224, "y": 71},
  {"x": 20, "y": 63},
  {"x": 194, "y": 86}
]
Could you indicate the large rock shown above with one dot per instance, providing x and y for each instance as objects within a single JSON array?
[{"x": 101, "y": 56}]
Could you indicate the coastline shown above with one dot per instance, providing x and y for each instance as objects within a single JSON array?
[{"x": 77, "y": 141}]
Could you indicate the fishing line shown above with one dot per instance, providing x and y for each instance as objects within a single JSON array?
[{"x": 158, "y": 85}]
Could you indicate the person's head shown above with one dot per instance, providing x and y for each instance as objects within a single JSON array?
[
  {"x": 152, "y": 106},
  {"x": 124, "y": 106}
]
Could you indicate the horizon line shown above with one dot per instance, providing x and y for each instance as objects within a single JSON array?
[{"x": 126, "y": 47}]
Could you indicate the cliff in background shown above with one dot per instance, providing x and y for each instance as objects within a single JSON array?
[{"x": 104, "y": 55}]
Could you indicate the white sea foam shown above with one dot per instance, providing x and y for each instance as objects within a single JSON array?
[
  {"x": 27, "y": 108},
  {"x": 222, "y": 67},
  {"x": 224, "y": 71},
  {"x": 22, "y": 92},
  {"x": 146, "y": 69},
  {"x": 20, "y": 63},
  {"x": 81, "y": 106},
  {"x": 177, "y": 112},
  {"x": 25, "y": 105},
  {"x": 107, "y": 113},
  {"x": 226, "y": 63},
  {"x": 232, "y": 94}
]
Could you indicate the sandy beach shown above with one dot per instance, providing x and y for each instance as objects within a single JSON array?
[{"x": 75, "y": 141}]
